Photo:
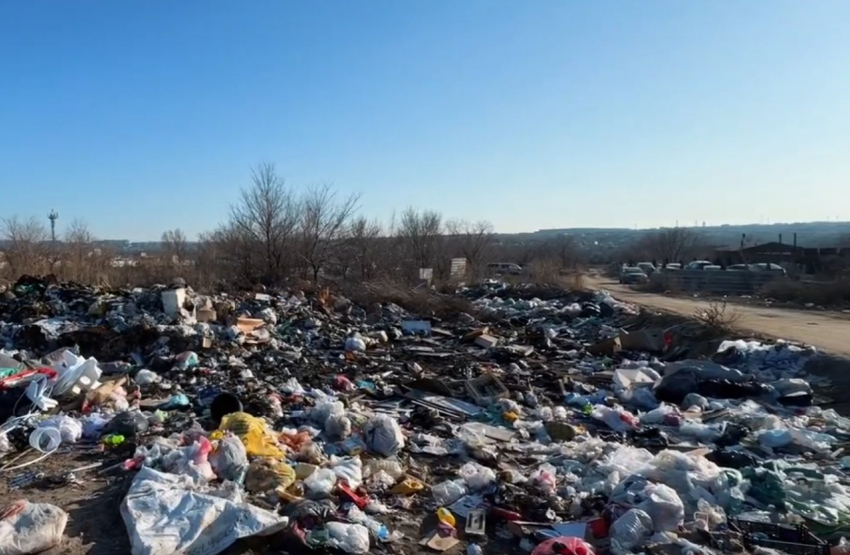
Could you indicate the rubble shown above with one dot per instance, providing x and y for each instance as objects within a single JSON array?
[{"x": 538, "y": 420}]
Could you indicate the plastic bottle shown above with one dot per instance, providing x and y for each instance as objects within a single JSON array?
[{"x": 113, "y": 440}]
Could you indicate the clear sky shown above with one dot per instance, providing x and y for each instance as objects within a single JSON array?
[{"x": 143, "y": 116}]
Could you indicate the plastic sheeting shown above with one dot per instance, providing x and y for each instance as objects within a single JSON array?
[{"x": 166, "y": 514}]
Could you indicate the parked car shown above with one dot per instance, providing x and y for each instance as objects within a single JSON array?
[
  {"x": 673, "y": 266},
  {"x": 768, "y": 267},
  {"x": 633, "y": 274},
  {"x": 504, "y": 268},
  {"x": 647, "y": 267},
  {"x": 698, "y": 265},
  {"x": 759, "y": 267}
]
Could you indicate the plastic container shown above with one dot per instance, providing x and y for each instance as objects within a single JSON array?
[{"x": 46, "y": 440}]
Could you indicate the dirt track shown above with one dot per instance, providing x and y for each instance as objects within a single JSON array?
[{"x": 829, "y": 332}]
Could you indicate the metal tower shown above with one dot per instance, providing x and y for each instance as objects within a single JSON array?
[{"x": 53, "y": 216}]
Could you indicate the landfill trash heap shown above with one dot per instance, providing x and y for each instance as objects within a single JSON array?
[{"x": 538, "y": 421}]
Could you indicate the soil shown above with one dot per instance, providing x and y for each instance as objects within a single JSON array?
[{"x": 825, "y": 330}]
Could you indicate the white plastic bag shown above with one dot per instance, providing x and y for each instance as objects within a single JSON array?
[
  {"x": 321, "y": 482},
  {"x": 664, "y": 507},
  {"x": 230, "y": 460},
  {"x": 630, "y": 530},
  {"x": 477, "y": 477},
  {"x": 618, "y": 420},
  {"x": 349, "y": 469},
  {"x": 351, "y": 538},
  {"x": 338, "y": 426},
  {"x": 383, "y": 435},
  {"x": 158, "y": 522},
  {"x": 36, "y": 527},
  {"x": 69, "y": 429}
]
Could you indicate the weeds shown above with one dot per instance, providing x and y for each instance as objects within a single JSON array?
[{"x": 718, "y": 316}]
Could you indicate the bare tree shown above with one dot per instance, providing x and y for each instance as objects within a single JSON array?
[
  {"x": 25, "y": 247},
  {"x": 264, "y": 221},
  {"x": 421, "y": 235},
  {"x": 175, "y": 246},
  {"x": 566, "y": 251},
  {"x": 474, "y": 240},
  {"x": 362, "y": 246},
  {"x": 79, "y": 250},
  {"x": 676, "y": 244},
  {"x": 322, "y": 225}
]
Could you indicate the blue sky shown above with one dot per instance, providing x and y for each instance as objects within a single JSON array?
[{"x": 145, "y": 116}]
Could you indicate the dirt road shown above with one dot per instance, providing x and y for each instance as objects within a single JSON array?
[{"x": 828, "y": 332}]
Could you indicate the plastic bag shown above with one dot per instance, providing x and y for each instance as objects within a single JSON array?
[
  {"x": 355, "y": 343},
  {"x": 128, "y": 423},
  {"x": 230, "y": 460},
  {"x": 69, "y": 429},
  {"x": 267, "y": 474},
  {"x": 349, "y": 469},
  {"x": 321, "y": 482},
  {"x": 253, "y": 433},
  {"x": 630, "y": 530},
  {"x": 155, "y": 515},
  {"x": 448, "y": 492},
  {"x": 338, "y": 426},
  {"x": 563, "y": 544},
  {"x": 145, "y": 377},
  {"x": 192, "y": 461},
  {"x": 545, "y": 478},
  {"x": 351, "y": 538},
  {"x": 617, "y": 420},
  {"x": 31, "y": 528},
  {"x": 477, "y": 477},
  {"x": 664, "y": 507},
  {"x": 383, "y": 435}
]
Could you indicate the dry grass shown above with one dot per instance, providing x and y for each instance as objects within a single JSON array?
[
  {"x": 835, "y": 293},
  {"x": 550, "y": 273}
]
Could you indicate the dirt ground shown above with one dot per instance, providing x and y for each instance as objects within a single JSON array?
[{"x": 827, "y": 331}]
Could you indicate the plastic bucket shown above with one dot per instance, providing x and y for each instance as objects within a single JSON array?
[{"x": 224, "y": 404}]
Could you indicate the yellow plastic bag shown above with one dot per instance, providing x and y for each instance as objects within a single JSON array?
[
  {"x": 267, "y": 474},
  {"x": 253, "y": 433}
]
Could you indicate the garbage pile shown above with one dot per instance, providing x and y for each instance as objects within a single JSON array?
[{"x": 538, "y": 421}]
